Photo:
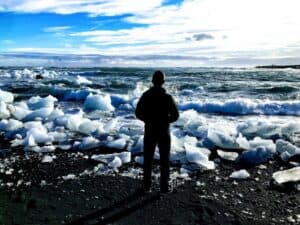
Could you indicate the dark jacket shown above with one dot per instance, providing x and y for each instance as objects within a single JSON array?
[{"x": 157, "y": 108}]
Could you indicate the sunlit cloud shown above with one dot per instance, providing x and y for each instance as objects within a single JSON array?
[{"x": 221, "y": 30}]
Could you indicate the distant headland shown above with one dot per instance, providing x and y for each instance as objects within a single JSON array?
[{"x": 279, "y": 67}]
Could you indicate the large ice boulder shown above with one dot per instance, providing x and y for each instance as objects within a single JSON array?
[{"x": 98, "y": 102}]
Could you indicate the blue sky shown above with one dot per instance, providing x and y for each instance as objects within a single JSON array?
[{"x": 149, "y": 32}]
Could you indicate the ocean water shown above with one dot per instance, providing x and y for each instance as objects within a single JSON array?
[{"x": 220, "y": 107}]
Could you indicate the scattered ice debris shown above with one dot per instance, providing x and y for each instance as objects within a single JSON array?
[
  {"x": 240, "y": 174},
  {"x": 99, "y": 102},
  {"x": 47, "y": 159},
  {"x": 69, "y": 177},
  {"x": 230, "y": 156},
  {"x": 290, "y": 175}
]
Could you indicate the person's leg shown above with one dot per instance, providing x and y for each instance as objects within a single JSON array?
[
  {"x": 164, "y": 145},
  {"x": 149, "y": 148}
]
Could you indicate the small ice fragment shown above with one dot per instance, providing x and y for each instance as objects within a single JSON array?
[
  {"x": 47, "y": 159},
  {"x": 290, "y": 175},
  {"x": 69, "y": 177},
  {"x": 231, "y": 156},
  {"x": 116, "y": 163},
  {"x": 240, "y": 174}
]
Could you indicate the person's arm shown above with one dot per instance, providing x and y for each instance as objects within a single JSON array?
[
  {"x": 140, "y": 109},
  {"x": 174, "y": 114}
]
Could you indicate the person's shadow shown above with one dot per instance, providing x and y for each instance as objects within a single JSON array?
[{"x": 119, "y": 210}]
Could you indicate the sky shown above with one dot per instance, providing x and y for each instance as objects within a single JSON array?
[{"x": 149, "y": 33}]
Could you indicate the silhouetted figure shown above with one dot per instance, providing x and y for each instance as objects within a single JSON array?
[{"x": 157, "y": 109}]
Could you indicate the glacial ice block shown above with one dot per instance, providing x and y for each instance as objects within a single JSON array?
[
  {"x": 99, "y": 102},
  {"x": 284, "y": 176},
  {"x": 240, "y": 174}
]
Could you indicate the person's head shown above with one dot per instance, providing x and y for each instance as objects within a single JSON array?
[{"x": 158, "y": 78}]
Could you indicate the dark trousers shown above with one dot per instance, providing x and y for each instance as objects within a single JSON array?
[{"x": 162, "y": 139}]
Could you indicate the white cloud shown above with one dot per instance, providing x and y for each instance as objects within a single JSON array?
[
  {"x": 56, "y": 29},
  {"x": 258, "y": 29},
  {"x": 93, "y": 7}
]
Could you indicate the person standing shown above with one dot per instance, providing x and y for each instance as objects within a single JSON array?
[{"x": 157, "y": 109}]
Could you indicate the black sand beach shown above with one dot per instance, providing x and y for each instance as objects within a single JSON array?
[{"x": 210, "y": 197}]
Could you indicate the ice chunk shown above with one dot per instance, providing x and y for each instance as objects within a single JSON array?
[
  {"x": 223, "y": 140},
  {"x": 290, "y": 175},
  {"x": 118, "y": 144},
  {"x": 286, "y": 150},
  {"x": 264, "y": 129},
  {"x": 6, "y": 96},
  {"x": 10, "y": 125},
  {"x": 19, "y": 111},
  {"x": 242, "y": 142},
  {"x": 116, "y": 163},
  {"x": 124, "y": 156},
  {"x": 69, "y": 177},
  {"x": 255, "y": 156},
  {"x": 55, "y": 114},
  {"x": 4, "y": 112},
  {"x": 38, "y": 102},
  {"x": 240, "y": 174},
  {"x": 99, "y": 102},
  {"x": 47, "y": 159},
  {"x": 231, "y": 156},
  {"x": 267, "y": 144},
  {"x": 199, "y": 156},
  {"x": 82, "y": 80},
  {"x": 89, "y": 126},
  {"x": 139, "y": 145},
  {"x": 111, "y": 125},
  {"x": 88, "y": 143},
  {"x": 42, "y": 113}
]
